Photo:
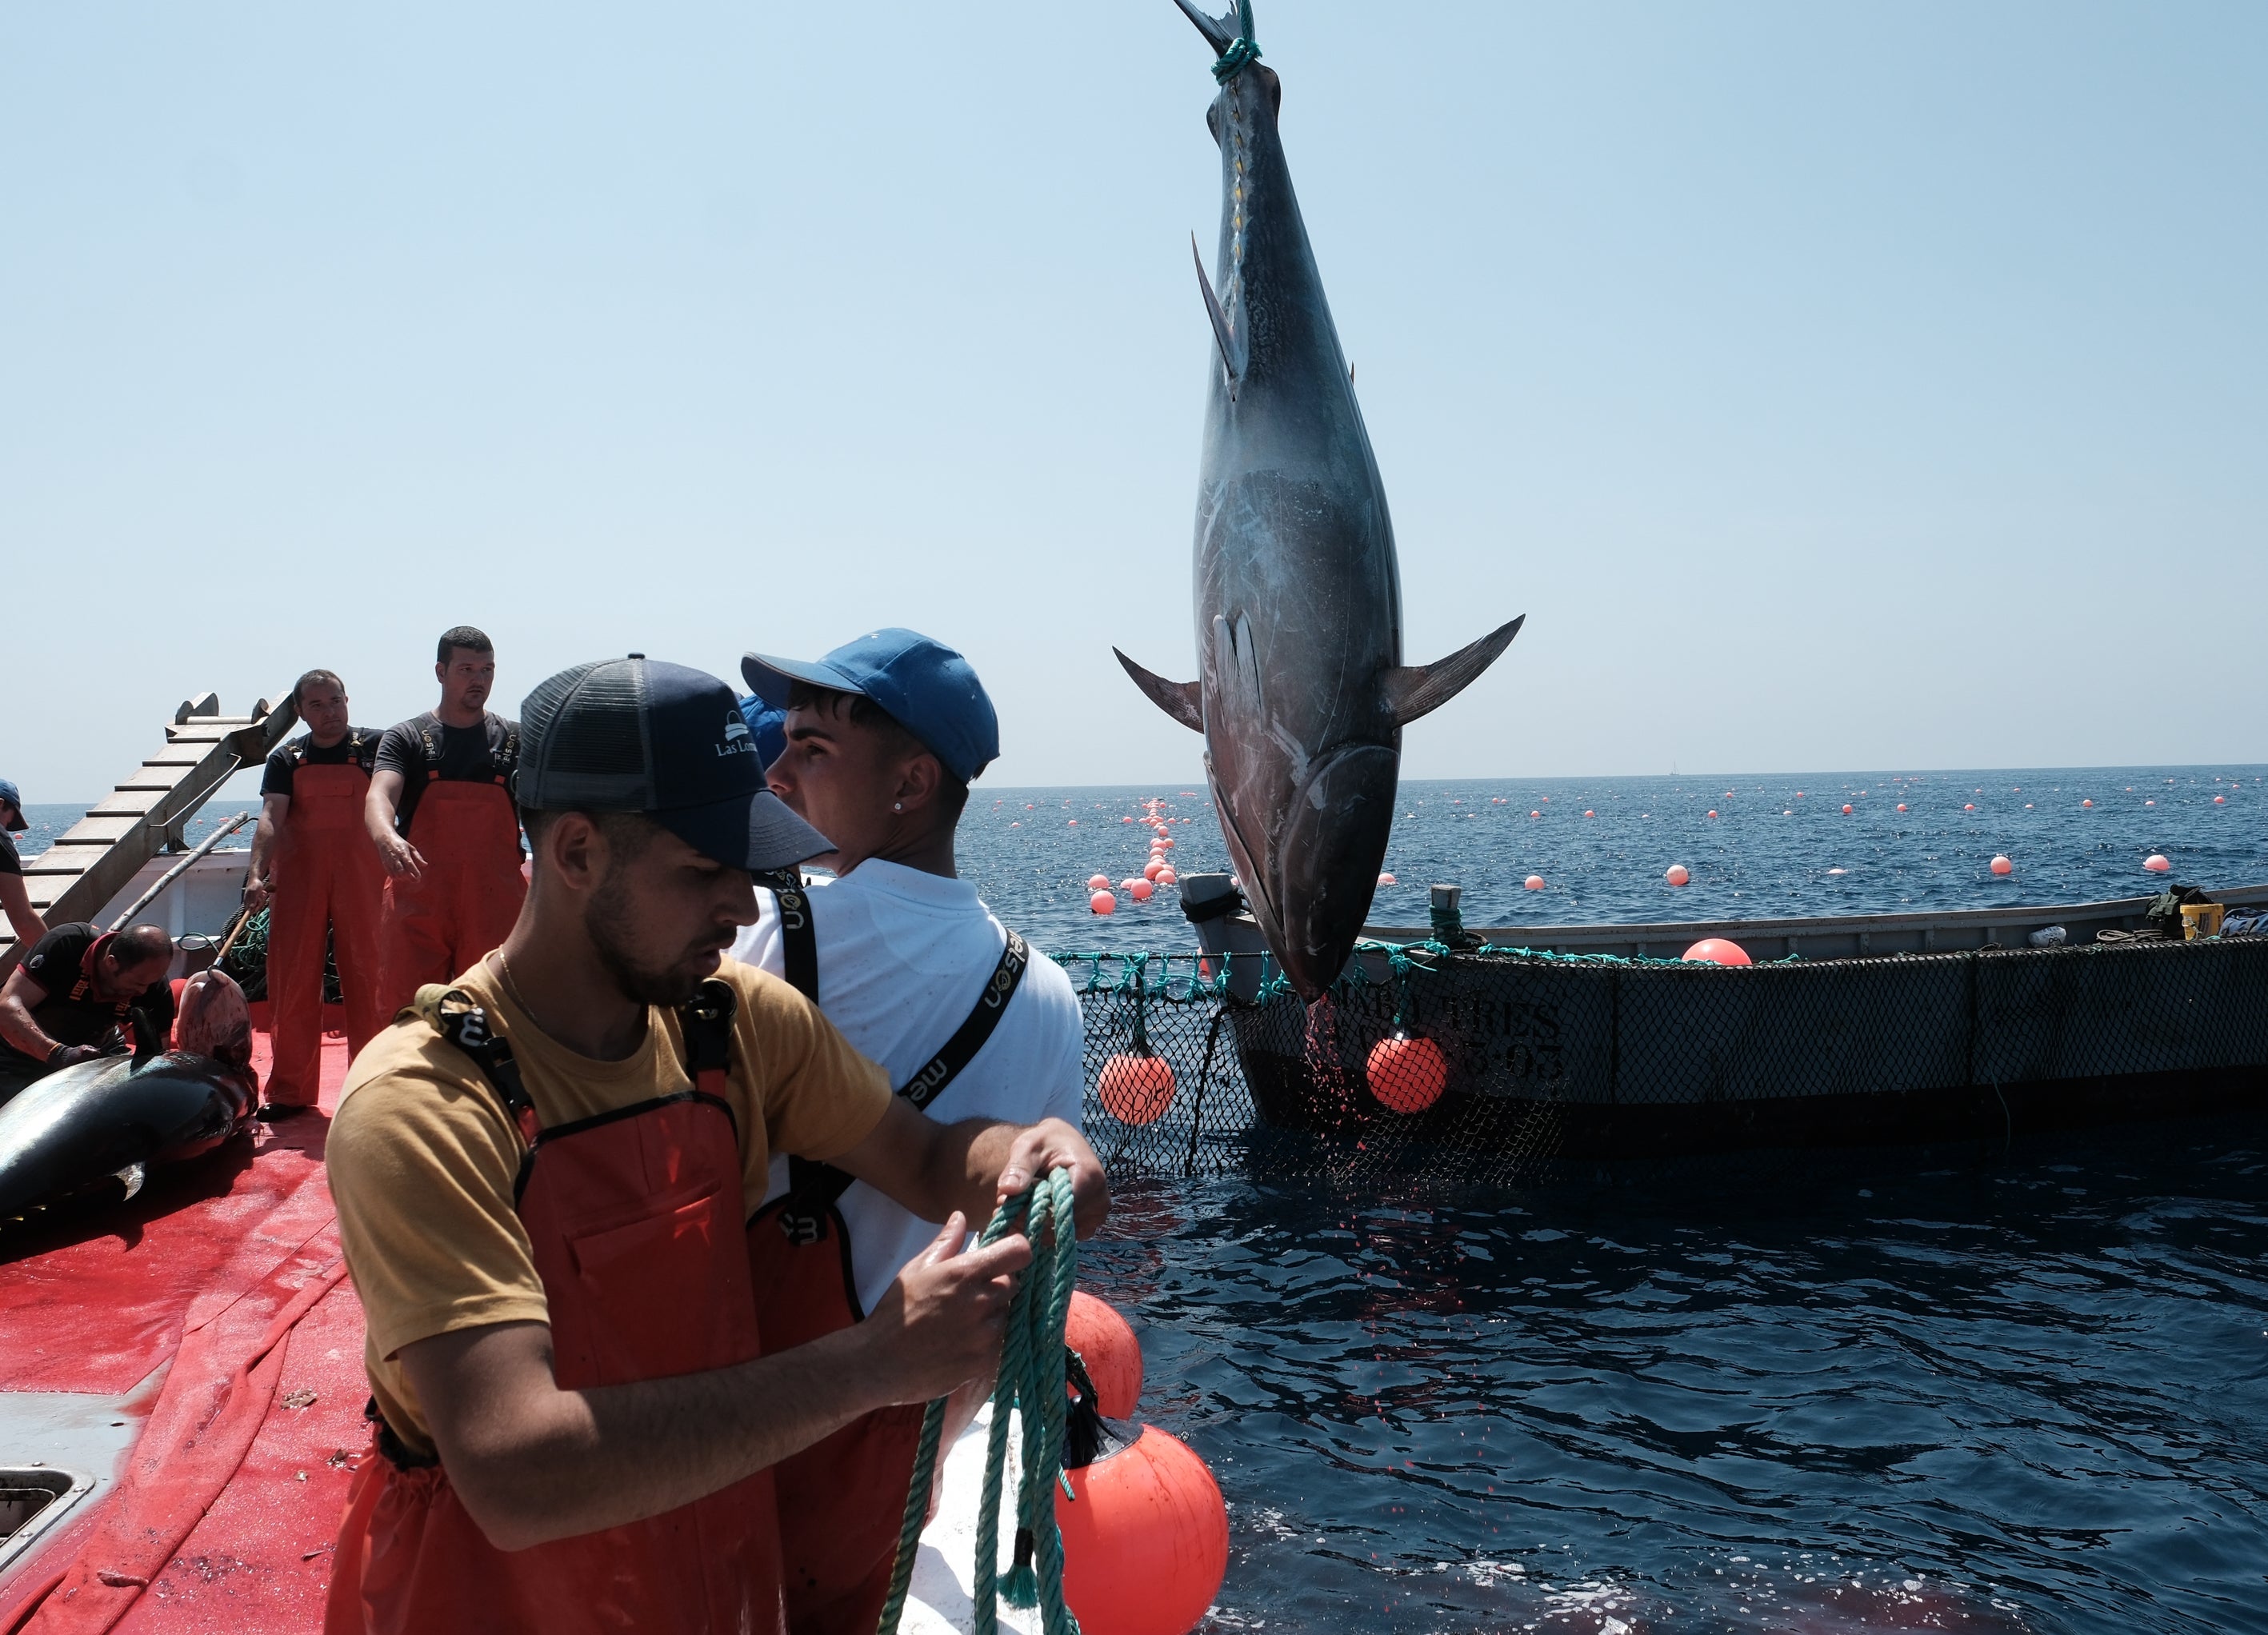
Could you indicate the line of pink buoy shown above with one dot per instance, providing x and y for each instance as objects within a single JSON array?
[{"x": 1158, "y": 871}]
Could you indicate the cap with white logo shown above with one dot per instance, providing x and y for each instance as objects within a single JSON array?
[{"x": 639, "y": 735}]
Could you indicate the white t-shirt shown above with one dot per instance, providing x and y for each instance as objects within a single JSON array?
[{"x": 903, "y": 957}]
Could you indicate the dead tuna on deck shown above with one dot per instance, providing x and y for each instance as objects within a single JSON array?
[
  {"x": 110, "y": 1118},
  {"x": 1301, "y": 692}
]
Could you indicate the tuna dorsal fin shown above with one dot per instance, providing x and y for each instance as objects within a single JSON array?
[
  {"x": 1231, "y": 349},
  {"x": 1184, "y": 700},
  {"x": 1416, "y": 689},
  {"x": 1219, "y": 31}
]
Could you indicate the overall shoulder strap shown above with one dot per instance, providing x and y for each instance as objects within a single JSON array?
[
  {"x": 798, "y": 940},
  {"x": 814, "y": 1188},
  {"x": 464, "y": 1022},
  {"x": 707, "y": 1019}
]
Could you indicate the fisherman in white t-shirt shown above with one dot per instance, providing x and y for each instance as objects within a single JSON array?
[{"x": 884, "y": 735}]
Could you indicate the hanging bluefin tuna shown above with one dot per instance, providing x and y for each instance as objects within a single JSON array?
[{"x": 1301, "y": 692}]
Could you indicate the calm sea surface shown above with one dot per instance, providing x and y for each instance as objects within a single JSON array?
[
  {"x": 2029, "y": 1392},
  {"x": 1774, "y": 847}
]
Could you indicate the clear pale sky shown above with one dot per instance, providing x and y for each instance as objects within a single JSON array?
[{"x": 1832, "y": 386}]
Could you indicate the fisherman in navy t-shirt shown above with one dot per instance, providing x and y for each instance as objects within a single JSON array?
[
  {"x": 315, "y": 871},
  {"x": 85, "y": 993},
  {"x": 441, "y": 813}
]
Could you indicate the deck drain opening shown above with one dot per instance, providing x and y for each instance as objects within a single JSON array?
[
  {"x": 33, "y": 1498},
  {"x": 25, "y": 1495}
]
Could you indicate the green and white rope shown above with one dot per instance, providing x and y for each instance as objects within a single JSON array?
[{"x": 1032, "y": 1385}]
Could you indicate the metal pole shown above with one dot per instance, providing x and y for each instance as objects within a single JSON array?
[{"x": 179, "y": 869}]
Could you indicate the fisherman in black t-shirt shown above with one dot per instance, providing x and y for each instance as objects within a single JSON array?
[
  {"x": 15, "y": 900},
  {"x": 314, "y": 869},
  {"x": 441, "y": 813},
  {"x": 78, "y": 994}
]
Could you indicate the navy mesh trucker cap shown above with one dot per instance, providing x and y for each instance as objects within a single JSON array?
[
  {"x": 639, "y": 735},
  {"x": 928, "y": 689}
]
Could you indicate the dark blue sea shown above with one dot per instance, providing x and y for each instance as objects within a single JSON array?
[
  {"x": 2019, "y": 1390},
  {"x": 1776, "y": 846}
]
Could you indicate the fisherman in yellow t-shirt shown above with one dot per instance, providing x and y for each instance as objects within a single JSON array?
[{"x": 543, "y": 1178}]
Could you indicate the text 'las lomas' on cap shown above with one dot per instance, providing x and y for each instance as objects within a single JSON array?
[
  {"x": 637, "y": 734},
  {"x": 928, "y": 689}
]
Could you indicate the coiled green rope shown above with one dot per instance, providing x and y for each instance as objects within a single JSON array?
[
  {"x": 1242, "y": 49},
  {"x": 1032, "y": 1382}
]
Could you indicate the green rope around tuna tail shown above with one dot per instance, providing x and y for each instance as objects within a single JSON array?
[
  {"x": 1032, "y": 1382},
  {"x": 1242, "y": 49}
]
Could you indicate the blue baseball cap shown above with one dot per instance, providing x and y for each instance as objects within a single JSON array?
[
  {"x": 927, "y": 688},
  {"x": 638, "y": 735},
  {"x": 769, "y": 725},
  {"x": 14, "y": 797}
]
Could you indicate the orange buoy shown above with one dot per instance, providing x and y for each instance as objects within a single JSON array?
[
  {"x": 1533, "y": 882},
  {"x": 1098, "y": 883},
  {"x": 1718, "y": 951},
  {"x": 2086, "y": 803},
  {"x": 1136, "y": 1089},
  {"x": 2002, "y": 865},
  {"x": 2220, "y": 801},
  {"x": 2157, "y": 864},
  {"x": 1846, "y": 811},
  {"x": 1104, "y": 903},
  {"x": 1902, "y": 805},
  {"x": 1588, "y": 813},
  {"x": 1712, "y": 814},
  {"x": 1152, "y": 869},
  {"x": 1145, "y": 1539},
  {"x": 1129, "y": 882},
  {"x": 1408, "y": 1074},
  {"x": 1106, "y": 1344},
  {"x": 1968, "y": 805},
  {"x": 1166, "y": 877},
  {"x": 1387, "y": 879},
  {"x": 1536, "y": 814},
  {"x": 1140, "y": 890},
  {"x": 1074, "y": 823},
  {"x": 1676, "y": 874}
]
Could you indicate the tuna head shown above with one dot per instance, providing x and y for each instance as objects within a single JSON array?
[
  {"x": 1301, "y": 692},
  {"x": 214, "y": 1019}
]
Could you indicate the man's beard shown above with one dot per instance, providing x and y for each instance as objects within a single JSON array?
[{"x": 608, "y": 911}]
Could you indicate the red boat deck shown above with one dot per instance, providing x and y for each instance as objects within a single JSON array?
[{"x": 219, "y": 1289}]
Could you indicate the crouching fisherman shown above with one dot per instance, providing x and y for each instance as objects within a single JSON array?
[
  {"x": 542, "y": 1177},
  {"x": 883, "y": 737},
  {"x": 85, "y": 993}
]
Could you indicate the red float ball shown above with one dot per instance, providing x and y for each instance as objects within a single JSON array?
[
  {"x": 1098, "y": 883},
  {"x": 1718, "y": 951},
  {"x": 1107, "y": 1346},
  {"x": 1145, "y": 1539},
  {"x": 1140, "y": 890},
  {"x": 1407, "y": 1073},
  {"x": 1104, "y": 903},
  {"x": 1136, "y": 1089}
]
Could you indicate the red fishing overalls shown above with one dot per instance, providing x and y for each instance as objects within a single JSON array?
[
  {"x": 842, "y": 1499},
  {"x": 328, "y": 879},
  {"x": 465, "y": 904},
  {"x": 635, "y": 1217}
]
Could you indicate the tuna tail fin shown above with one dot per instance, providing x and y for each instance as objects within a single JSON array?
[
  {"x": 1184, "y": 700},
  {"x": 1219, "y": 31},
  {"x": 1418, "y": 689},
  {"x": 1231, "y": 349}
]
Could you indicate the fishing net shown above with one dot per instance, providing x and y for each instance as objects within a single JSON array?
[{"x": 1505, "y": 1066}]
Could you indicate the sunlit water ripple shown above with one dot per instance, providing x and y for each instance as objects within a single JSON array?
[{"x": 2028, "y": 1396}]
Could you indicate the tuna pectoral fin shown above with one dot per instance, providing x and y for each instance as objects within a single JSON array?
[
  {"x": 1416, "y": 689},
  {"x": 1231, "y": 349},
  {"x": 1184, "y": 700},
  {"x": 131, "y": 1178}
]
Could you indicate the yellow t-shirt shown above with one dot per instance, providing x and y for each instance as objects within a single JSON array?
[{"x": 423, "y": 1156}]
